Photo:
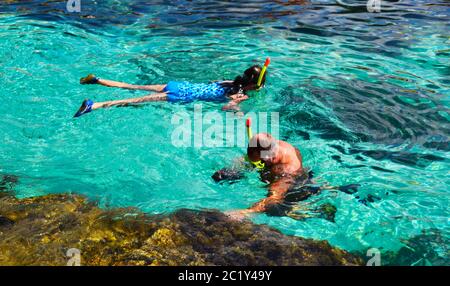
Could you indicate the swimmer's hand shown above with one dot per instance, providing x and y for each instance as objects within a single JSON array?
[
  {"x": 239, "y": 215},
  {"x": 227, "y": 175},
  {"x": 233, "y": 105}
]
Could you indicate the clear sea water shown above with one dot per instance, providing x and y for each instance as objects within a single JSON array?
[{"x": 364, "y": 96}]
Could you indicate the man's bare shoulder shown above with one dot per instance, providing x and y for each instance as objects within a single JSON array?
[{"x": 286, "y": 145}]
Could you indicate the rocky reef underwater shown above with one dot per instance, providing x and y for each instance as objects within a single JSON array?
[{"x": 41, "y": 230}]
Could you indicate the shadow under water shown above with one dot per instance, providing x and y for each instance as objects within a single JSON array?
[{"x": 380, "y": 113}]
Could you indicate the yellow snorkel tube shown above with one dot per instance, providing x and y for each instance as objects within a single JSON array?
[
  {"x": 261, "y": 75},
  {"x": 257, "y": 164}
]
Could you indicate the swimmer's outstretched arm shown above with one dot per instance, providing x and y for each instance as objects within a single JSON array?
[
  {"x": 277, "y": 192},
  {"x": 234, "y": 103}
]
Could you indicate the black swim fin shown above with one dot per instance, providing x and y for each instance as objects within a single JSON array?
[{"x": 227, "y": 175}]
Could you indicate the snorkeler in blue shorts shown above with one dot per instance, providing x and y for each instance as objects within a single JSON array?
[{"x": 233, "y": 91}]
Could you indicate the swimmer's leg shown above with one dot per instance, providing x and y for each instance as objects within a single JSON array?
[
  {"x": 130, "y": 101},
  {"x": 303, "y": 211},
  {"x": 110, "y": 83},
  {"x": 348, "y": 189},
  {"x": 92, "y": 79},
  {"x": 88, "y": 105}
]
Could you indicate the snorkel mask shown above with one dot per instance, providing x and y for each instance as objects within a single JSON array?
[
  {"x": 257, "y": 164},
  {"x": 261, "y": 75}
]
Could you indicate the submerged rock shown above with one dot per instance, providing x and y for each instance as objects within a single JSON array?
[
  {"x": 40, "y": 230},
  {"x": 7, "y": 182},
  {"x": 430, "y": 248}
]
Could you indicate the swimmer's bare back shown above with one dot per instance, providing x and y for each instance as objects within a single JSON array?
[{"x": 290, "y": 160}]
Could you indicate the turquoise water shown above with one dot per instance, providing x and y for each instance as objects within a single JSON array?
[{"x": 364, "y": 96}]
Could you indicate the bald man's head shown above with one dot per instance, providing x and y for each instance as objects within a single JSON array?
[{"x": 261, "y": 147}]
